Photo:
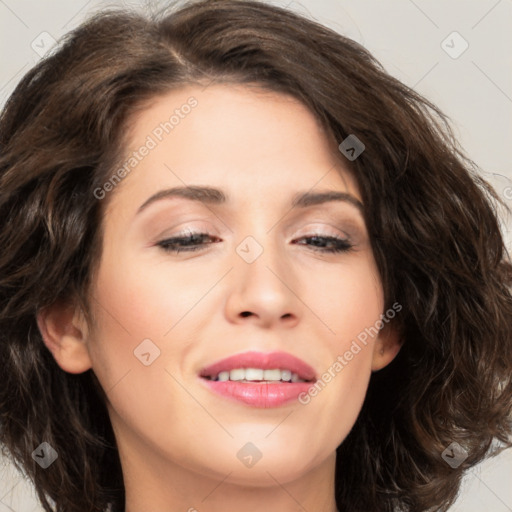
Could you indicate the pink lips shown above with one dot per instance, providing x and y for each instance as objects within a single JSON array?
[{"x": 260, "y": 394}]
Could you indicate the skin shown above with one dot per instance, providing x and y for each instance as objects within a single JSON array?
[{"x": 177, "y": 440}]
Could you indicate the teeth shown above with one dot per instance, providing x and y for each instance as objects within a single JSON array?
[
  {"x": 238, "y": 374},
  {"x": 286, "y": 375},
  {"x": 271, "y": 375},
  {"x": 253, "y": 374},
  {"x": 258, "y": 374}
]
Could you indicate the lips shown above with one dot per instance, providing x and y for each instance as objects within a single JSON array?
[
  {"x": 264, "y": 361},
  {"x": 246, "y": 386}
]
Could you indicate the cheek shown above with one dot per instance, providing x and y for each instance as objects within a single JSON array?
[
  {"x": 129, "y": 350},
  {"x": 348, "y": 299},
  {"x": 351, "y": 304},
  {"x": 142, "y": 308},
  {"x": 137, "y": 301}
]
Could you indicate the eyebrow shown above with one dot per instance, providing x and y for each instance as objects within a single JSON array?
[{"x": 216, "y": 196}]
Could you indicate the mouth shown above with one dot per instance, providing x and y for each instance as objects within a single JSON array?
[
  {"x": 251, "y": 367},
  {"x": 259, "y": 380},
  {"x": 246, "y": 375}
]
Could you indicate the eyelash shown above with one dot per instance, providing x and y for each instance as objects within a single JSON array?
[{"x": 171, "y": 244}]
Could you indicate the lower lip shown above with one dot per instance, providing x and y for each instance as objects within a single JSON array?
[{"x": 259, "y": 394}]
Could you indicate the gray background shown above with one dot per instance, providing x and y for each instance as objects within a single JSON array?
[{"x": 414, "y": 40}]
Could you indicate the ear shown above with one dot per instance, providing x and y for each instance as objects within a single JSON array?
[
  {"x": 64, "y": 331},
  {"x": 386, "y": 347}
]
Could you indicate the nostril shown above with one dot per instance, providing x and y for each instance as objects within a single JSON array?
[{"x": 246, "y": 313}]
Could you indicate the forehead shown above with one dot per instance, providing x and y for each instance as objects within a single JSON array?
[{"x": 251, "y": 142}]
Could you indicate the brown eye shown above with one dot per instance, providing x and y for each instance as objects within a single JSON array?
[
  {"x": 331, "y": 244},
  {"x": 186, "y": 243}
]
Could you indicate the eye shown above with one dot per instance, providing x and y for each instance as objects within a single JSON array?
[
  {"x": 191, "y": 242},
  {"x": 185, "y": 243},
  {"x": 329, "y": 244}
]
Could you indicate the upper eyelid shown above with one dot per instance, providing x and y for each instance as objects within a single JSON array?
[
  {"x": 201, "y": 230},
  {"x": 349, "y": 232},
  {"x": 330, "y": 220},
  {"x": 341, "y": 224}
]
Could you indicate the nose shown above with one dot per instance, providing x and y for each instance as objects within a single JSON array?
[{"x": 264, "y": 291}]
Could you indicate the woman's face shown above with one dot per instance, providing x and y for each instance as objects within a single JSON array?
[{"x": 263, "y": 279}]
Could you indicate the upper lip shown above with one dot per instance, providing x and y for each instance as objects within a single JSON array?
[{"x": 265, "y": 361}]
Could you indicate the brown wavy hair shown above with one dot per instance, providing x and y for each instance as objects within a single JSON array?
[{"x": 432, "y": 221}]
